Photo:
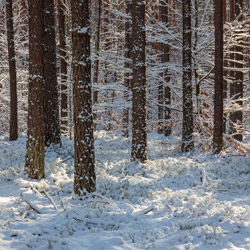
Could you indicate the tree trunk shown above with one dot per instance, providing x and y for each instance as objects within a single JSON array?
[
  {"x": 96, "y": 62},
  {"x": 63, "y": 67},
  {"x": 139, "y": 107},
  {"x": 34, "y": 165},
  {"x": 218, "y": 81},
  {"x": 51, "y": 107},
  {"x": 12, "y": 72},
  {"x": 187, "y": 129},
  {"x": 127, "y": 75},
  {"x": 232, "y": 71},
  {"x": 84, "y": 176},
  {"x": 238, "y": 84},
  {"x": 165, "y": 53}
]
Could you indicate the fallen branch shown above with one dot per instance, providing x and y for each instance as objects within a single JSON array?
[
  {"x": 50, "y": 199},
  {"x": 33, "y": 207}
]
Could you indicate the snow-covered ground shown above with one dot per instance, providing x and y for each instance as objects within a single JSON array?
[{"x": 174, "y": 201}]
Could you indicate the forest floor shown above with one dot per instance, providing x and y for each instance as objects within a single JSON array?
[{"x": 174, "y": 201}]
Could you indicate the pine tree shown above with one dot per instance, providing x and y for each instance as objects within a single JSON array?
[
  {"x": 238, "y": 83},
  {"x": 34, "y": 164},
  {"x": 187, "y": 129},
  {"x": 97, "y": 50},
  {"x": 139, "y": 106},
  {"x": 51, "y": 107},
  {"x": 63, "y": 66},
  {"x": 12, "y": 72},
  {"x": 164, "y": 98},
  {"x": 127, "y": 75},
  {"x": 218, "y": 83},
  {"x": 84, "y": 176}
]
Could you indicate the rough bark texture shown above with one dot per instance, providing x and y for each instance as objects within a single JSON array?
[
  {"x": 84, "y": 176},
  {"x": 12, "y": 72},
  {"x": 63, "y": 67},
  {"x": 164, "y": 98},
  {"x": 96, "y": 62},
  {"x": 127, "y": 75},
  {"x": 232, "y": 72},
  {"x": 218, "y": 84},
  {"x": 34, "y": 164},
  {"x": 51, "y": 107},
  {"x": 238, "y": 83},
  {"x": 139, "y": 107},
  {"x": 187, "y": 129}
]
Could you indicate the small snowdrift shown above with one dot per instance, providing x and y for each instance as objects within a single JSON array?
[{"x": 174, "y": 201}]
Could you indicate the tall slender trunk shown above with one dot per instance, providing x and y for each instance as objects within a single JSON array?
[
  {"x": 96, "y": 62},
  {"x": 51, "y": 107},
  {"x": 139, "y": 106},
  {"x": 84, "y": 175},
  {"x": 127, "y": 74},
  {"x": 232, "y": 71},
  {"x": 34, "y": 165},
  {"x": 12, "y": 72},
  {"x": 63, "y": 66},
  {"x": 218, "y": 83},
  {"x": 187, "y": 129},
  {"x": 164, "y": 98},
  {"x": 238, "y": 84}
]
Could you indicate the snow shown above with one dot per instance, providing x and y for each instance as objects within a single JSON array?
[{"x": 174, "y": 201}]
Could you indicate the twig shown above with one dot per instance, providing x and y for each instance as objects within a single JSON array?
[
  {"x": 50, "y": 199},
  {"x": 31, "y": 206}
]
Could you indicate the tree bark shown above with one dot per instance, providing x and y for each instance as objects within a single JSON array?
[
  {"x": 238, "y": 84},
  {"x": 63, "y": 67},
  {"x": 164, "y": 98},
  {"x": 51, "y": 107},
  {"x": 96, "y": 62},
  {"x": 34, "y": 165},
  {"x": 218, "y": 83},
  {"x": 84, "y": 176},
  {"x": 12, "y": 72},
  {"x": 139, "y": 106},
  {"x": 127, "y": 75},
  {"x": 187, "y": 129}
]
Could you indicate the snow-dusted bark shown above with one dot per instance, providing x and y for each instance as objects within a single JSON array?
[
  {"x": 237, "y": 89},
  {"x": 164, "y": 93},
  {"x": 139, "y": 106},
  {"x": 84, "y": 176},
  {"x": 12, "y": 72},
  {"x": 187, "y": 129},
  {"x": 34, "y": 165},
  {"x": 63, "y": 66},
  {"x": 51, "y": 107},
  {"x": 127, "y": 75},
  {"x": 218, "y": 79}
]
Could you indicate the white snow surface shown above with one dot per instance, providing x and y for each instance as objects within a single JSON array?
[{"x": 173, "y": 201}]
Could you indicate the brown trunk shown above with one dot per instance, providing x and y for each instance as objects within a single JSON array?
[
  {"x": 165, "y": 52},
  {"x": 96, "y": 62},
  {"x": 187, "y": 129},
  {"x": 63, "y": 67},
  {"x": 218, "y": 84},
  {"x": 127, "y": 74},
  {"x": 12, "y": 72},
  {"x": 51, "y": 107},
  {"x": 225, "y": 66},
  {"x": 34, "y": 165},
  {"x": 139, "y": 107},
  {"x": 84, "y": 175},
  {"x": 238, "y": 84},
  {"x": 232, "y": 72}
]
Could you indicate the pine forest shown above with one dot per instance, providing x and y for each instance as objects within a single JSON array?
[{"x": 124, "y": 124}]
